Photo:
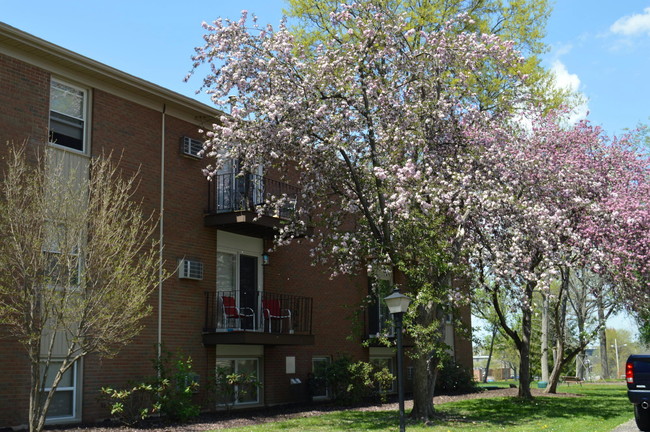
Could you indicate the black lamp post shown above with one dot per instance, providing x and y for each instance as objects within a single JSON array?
[{"x": 397, "y": 304}]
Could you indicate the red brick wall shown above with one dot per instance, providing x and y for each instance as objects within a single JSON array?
[
  {"x": 463, "y": 339},
  {"x": 24, "y": 95},
  {"x": 24, "y": 102},
  {"x": 334, "y": 305},
  {"x": 134, "y": 133}
]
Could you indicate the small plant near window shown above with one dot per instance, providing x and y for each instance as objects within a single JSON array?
[
  {"x": 170, "y": 393},
  {"x": 351, "y": 382},
  {"x": 383, "y": 380},
  {"x": 177, "y": 385},
  {"x": 233, "y": 386},
  {"x": 132, "y": 405}
]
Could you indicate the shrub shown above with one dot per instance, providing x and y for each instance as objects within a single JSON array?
[
  {"x": 454, "y": 378},
  {"x": 351, "y": 382},
  {"x": 170, "y": 392},
  {"x": 177, "y": 384},
  {"x": 132, "y": 405}
]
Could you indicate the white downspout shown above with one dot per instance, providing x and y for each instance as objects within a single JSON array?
[{"x": 161, "y": 235}]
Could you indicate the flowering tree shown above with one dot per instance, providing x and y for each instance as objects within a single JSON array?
[
  {"x": 550, "y": 200},
  {"x": 520, "y": 21},
  {"x": 373, "y": 124}
]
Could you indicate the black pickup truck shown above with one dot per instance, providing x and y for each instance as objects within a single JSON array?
[{"x": 637, "y": 376}]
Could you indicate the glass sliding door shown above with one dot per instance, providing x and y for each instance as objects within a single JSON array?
[{"x": 237, "y": 282}]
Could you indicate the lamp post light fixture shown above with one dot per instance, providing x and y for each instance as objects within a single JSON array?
[{"x": 397, "y": 304}]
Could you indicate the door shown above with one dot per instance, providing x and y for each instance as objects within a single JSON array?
[
  {"x": 248, "y": 286},
  {"x": 237, "y": 276}
]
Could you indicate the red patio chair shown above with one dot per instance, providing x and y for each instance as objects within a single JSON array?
[
  {"x": 232, "y": 312},
  {"x": 272, "y": 310}
]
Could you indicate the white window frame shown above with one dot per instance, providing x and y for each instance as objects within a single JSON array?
[
  {"x": 383, "y": 276},
  {"x": 86, "y": 117},
  {"x": 51, "y": 247},
  {"x": 236, "y": 402},
  {"x": 74, "y": 389},
  {"x": 328, "y": 392}
]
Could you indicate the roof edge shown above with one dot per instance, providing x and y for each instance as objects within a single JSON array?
[{"x": 73, "y": 59}]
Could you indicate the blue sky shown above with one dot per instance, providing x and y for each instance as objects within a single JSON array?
[{"x": 602, "y": 51}]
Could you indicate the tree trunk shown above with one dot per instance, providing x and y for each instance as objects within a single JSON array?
[
  {"x": 557, "y": 367},
  {"x": 602, "y": 337},
  {"x": 560, "y": 336},
  {"x": 581, "y": 317},
  {"x": 487, "y": 367},
  {"x": 425, "y": 365},
  {"x": 424, "y": 376},
  {"x": 521, "y": 342},
  {"x": 524, "y": 349},
  {"x": 545, "y": 319},
  {"x": 34, "y": 400}
]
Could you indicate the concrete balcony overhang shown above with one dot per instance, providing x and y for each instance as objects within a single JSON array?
[
  {"x": 244, "y": 222},
  {"x": 255, "y": 338}
]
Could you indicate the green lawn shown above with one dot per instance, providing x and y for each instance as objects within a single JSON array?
[{"x": 600, "y": 408}]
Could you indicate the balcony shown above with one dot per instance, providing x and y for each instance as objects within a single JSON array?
[
  {"x": 234, "y": 203},
  {"x": 257, "y": 318},
  {"x": 378, "y": 323}
]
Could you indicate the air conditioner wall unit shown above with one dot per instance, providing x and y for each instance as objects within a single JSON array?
[
  {"x": 192, "y": 147},
  {"x": 190, "y": 269}
]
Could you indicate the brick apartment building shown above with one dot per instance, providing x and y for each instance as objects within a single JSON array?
[{"x": 217, "y": 247}]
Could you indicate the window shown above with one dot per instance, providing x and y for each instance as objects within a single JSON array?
[
  {"x": 68, "y": 107},
  {"x": 61, "y": 253},
  {"x": 385, "y": 363},
  {"x": 318, "y": 386},
  {"x": 379, "y": 318},
  {"x": 248, "y": 368},
  {"x": 62, "y": 270},
  {"x": 64, "y": 401}
]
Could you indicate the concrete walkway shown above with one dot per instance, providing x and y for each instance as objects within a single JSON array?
[{"x": 629, "y": 426}]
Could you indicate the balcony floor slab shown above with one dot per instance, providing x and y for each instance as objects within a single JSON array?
[{"x": 256, "y": 338}]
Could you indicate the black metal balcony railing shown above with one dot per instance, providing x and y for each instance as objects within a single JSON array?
[
  {"x": 261, "y": 311},
  {"x": 230, "y": 193}
]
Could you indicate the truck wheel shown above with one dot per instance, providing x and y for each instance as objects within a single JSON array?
[{"x": 642, "y": 417}]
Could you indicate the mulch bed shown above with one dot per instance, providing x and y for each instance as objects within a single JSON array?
[{"x": 218, "y": 421}]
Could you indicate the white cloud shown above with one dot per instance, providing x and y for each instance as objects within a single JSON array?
[
  {"x": 568, "y": 81},
  {"x": 564, "y": 79},
  {"x": 631, "y": 25}
]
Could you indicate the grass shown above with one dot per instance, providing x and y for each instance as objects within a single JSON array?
[{"x": 600, "y": 409}]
